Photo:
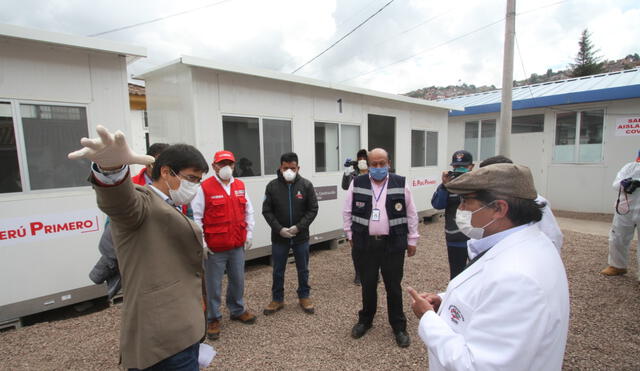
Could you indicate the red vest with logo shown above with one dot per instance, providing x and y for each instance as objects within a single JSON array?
[{"x": 224, "y": 215}]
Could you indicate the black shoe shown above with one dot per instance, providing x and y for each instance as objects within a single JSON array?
[
  {"x": 402, "y": 339},
  {"x": 359, "y": 330}
]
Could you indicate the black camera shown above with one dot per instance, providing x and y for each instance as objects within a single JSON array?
[
  {"x": 452, "y": 174},
  {"x": 630, "y": 185},
  {"x": 351, "y": 163}
]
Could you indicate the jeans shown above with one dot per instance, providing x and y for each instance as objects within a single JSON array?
[
  {"x": 279, "y": 255},
  {"x": 371, "y": 259},
  {"x": 186, "y": 360},
  {"x": 214, "y": 266}
]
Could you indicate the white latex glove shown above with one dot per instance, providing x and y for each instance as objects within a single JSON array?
[
  {"x": 293, "y": 230},
  {"x": 110, "y": 150},
  {"x": 247, "y": 244},
  {"x": 284, "y": 232}
]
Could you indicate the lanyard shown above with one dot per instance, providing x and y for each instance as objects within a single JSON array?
[{"x": 381, "y": 190}]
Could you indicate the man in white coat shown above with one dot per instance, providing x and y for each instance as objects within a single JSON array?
[
  {"x": 626, "y": 219},
  {"x": 548, "y": 224},
  {"x": 509, "y": 309}
]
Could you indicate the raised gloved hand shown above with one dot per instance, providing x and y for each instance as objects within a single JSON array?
[
  {"x": 247, "y": 244},
  {"x": 294, "y": 230},
  {"x": 284, "y": 232},
  {"x": 109, "y": 151}
]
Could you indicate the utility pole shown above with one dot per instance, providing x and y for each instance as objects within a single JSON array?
[{"x": 504, "y": 141}]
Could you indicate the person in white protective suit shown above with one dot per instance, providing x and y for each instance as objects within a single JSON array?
[
  {"x": 625, "y": 220},
  {"x": 509, "y": 308}
]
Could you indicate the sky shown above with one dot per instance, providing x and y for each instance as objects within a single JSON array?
[{"x": 409, "y": 44}]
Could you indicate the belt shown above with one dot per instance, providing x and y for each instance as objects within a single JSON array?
[{"x": 379, "y": 237}]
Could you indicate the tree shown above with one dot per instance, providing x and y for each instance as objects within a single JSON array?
[{"x": 587, "y": 62}]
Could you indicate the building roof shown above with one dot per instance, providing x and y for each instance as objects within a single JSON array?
[
  {"x": 204, "y": 63},
  {"x": 131, "y": 52},
  {"x": 596, "y": 88},
  {"x": 135, "y": 89}
]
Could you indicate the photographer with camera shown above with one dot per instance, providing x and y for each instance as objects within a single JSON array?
[
  {"x": 625, "y": 219},
  {"x": 462, "y": 162},
  {"x": 354, "y": 168}
]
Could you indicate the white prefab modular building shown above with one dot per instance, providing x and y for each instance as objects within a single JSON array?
[
  {"x": 54, "y": 89},
  {"x": 574, "y": 134},
  {"x": 260, "y": 115}
]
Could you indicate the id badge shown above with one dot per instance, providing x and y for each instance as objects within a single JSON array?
[{"x": 375, "y": 215}]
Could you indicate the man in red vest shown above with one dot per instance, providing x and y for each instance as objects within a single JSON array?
[
  {"x": 144, "y": 176},
  {"x": 224, "y": 211}
]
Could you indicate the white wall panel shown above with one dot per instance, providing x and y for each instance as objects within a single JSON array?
[{"x": 36, "y": 71}]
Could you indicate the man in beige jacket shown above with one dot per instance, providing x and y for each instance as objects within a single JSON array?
[{"x": 159, "y": 250}]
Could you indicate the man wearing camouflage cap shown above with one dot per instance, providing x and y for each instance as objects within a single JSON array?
[{"x": 509, "y": 309}]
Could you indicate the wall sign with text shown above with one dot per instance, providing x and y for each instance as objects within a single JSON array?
[
  {"x": 46, "y": 227},
  {"x": 628, "y": 126}
]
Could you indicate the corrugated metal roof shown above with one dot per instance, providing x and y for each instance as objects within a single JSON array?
[
  {"x": 204, "y": 63},
  {"x": 607, "y": 86}
]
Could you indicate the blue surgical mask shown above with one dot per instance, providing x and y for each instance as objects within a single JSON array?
[{"x": 378, "y": 173}]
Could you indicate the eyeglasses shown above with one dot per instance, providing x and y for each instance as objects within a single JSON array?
[{"x": 190, "y": 178}]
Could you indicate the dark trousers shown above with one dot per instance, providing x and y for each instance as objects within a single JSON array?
[
  {"x": 457, "y": 260},
  {"x": 369, "y": 260},
  {"x": 186, "y": 360},
  {"x": 280, "y": 255},
  {"x": 355, "y": 266}
]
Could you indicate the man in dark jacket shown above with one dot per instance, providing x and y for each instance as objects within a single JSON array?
[
  {"x": 462, "y": 162},
  {"x": 289, "y": 206}
]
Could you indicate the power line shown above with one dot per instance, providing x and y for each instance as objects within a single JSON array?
[
  {"x": 344, "y": 37},
  {"x": 158, "y": 19},
  {"x": 426, "y": 50},
  {"x": 449, "y": 41}
]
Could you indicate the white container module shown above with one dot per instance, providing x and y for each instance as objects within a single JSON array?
[
  {"x": 54, "y": 89},
  {"x": 261, "y": 114}
]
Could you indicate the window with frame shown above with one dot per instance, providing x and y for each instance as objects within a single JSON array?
[
  {"x": 334, "y": 142},
  {"x": 480, "y": 138},
  {"x": 579, "y": 136},
  {"x": 10, "y": 180},
  {"x": 49, "y": 133},
  {"x": 424, "y": 148},
  {"x": 527, "y": 124},
  {"x": 257, "y": 144}
]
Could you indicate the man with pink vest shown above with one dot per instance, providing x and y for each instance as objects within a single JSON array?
[{"x": 224, "y": 211}]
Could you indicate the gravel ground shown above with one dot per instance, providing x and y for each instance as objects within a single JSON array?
[{"x": 604, "y": 332}]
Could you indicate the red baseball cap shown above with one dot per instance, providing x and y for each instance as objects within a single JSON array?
[{"x": 223, "y": 155}]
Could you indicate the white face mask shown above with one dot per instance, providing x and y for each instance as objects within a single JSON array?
[
  {"x": 463, "y": 220},
  {"x": 289, "y": 175},
  {"x": 185, "y": 193},
  {"x": 362, "y": 164},
  {"x": 225, "y": 173}
]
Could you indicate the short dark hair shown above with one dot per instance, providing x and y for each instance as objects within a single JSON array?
[
  {"x": 362, "y": 153},
  {"x": 178, "y": 157},
  {"x": 156, "y": 148},
  {"x": 521, "y": 211},
  {"x": 499, "y": 159},
  {"x": 288, "y": 157}
]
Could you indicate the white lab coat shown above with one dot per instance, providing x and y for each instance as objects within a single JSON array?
[
  {"x": 507, "y": 311},
  {"x": 624, "y": 226},
  {"x": 549, "y": 225}
]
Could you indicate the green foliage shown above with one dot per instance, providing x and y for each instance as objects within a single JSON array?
[{"x": 587, "y": 62}]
